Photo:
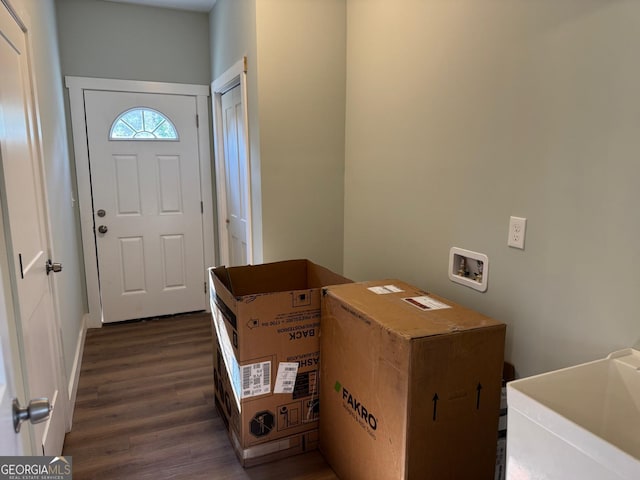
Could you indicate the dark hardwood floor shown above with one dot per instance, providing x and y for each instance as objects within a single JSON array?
[{"x": 145, "y": 409}]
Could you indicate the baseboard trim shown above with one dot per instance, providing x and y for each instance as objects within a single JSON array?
[{"x": 74, "y": 377}]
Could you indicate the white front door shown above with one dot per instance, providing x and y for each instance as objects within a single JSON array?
[
  {"x": 235, "y": 161},
  {"x": 27, "y": 238},
  {"x": 145, "y": 181}
]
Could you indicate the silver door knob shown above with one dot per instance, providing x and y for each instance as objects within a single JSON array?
[
  {"x": 37, "y": 411},
  {"x": 103, "y": 229},
  {"x": 53, "y": 267}
]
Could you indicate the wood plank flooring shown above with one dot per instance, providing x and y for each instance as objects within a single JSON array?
[{"x": 145, "y": 409}]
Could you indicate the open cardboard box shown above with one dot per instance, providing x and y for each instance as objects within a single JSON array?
[{"x": 266, "y": 319}]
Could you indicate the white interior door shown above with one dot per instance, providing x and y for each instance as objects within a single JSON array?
[
  {"x": 27, "y": 240},
  {"x": 147, "y": 203},
  {"x": 10, "y": 443},
  {"x": 235, "y": 160}
]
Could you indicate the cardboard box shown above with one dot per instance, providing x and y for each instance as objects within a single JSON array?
[
  {"x": 266, "y": 319},
  {"x": 262, "y": 452},
  {"x": 410, "y": 384}
]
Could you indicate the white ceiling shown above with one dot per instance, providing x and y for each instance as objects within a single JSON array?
[{"x": 196, "y": 5}]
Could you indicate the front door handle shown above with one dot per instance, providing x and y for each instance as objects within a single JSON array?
[
  {"x": 103, "y": 229},
  {"x": 53, "y": 267}
]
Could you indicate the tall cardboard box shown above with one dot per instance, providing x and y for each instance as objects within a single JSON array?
[
  {"x": 410, "y": 384},
  {"x": 266, "y": 319}
]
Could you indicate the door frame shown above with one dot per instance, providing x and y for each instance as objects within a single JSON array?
[
  {"x": 234, "y": 76},
  {"x": 77, "y": 87}
]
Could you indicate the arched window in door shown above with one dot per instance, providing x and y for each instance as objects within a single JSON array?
[{"x": 142, "y": 123}]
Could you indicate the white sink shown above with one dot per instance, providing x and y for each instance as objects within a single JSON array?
[{"x": 580, "y": 423}]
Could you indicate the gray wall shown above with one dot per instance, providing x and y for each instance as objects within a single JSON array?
[
  {"x": 67, "y": 249},
  {"x": 296, "y": 87},
  {"x": 132, "y": 42},
  {"x": 460, "y": 114},
  {"x": 232, "y": 31},
  {"x": 301, "y": 85}
]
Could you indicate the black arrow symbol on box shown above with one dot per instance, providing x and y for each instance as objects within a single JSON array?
[
  {"x": 435, "y": 406},
  {"x": 479, "y": 389}
]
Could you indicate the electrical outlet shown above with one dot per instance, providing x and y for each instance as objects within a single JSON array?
[{"x": 517, "y": 229}]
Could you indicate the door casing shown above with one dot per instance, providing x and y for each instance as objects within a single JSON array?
[
  {"x": 77, "y": 86},
  {"x": 236, "y": 75}
]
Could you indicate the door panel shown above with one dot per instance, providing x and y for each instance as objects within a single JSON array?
[
  {"x": 150, "y": 257},
  {"x": 236, "y": 174},
  {"x": 173, "y": 261},
  {"x": 127, "y": 185},
  {"x": 132, "y": 265},
  {"x": 170, "y": 184}
]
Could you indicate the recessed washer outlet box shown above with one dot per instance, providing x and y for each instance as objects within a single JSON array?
[{"x": 469, "y": 268}]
